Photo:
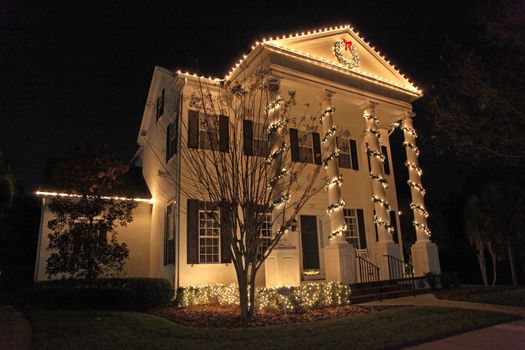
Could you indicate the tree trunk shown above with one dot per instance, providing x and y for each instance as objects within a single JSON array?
[
  {"x": 252, "y": 292},
  {"x": 494, "y": 263},
  {"x": 482, "y": 266},
  {"x": 512, "y": 263},
  {"x": 243, "y": 295}
]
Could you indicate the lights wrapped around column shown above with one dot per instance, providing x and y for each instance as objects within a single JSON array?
[
  {"x": 276, "y": 153},
  {"x": 414, "y": 171},
  {"x": 330, "y": 164},
  {"x": 279, "y": 176},
  {"x": 379, "y": 182}
]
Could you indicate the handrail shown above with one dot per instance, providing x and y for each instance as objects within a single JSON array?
[
  {"x": 398, "y": 273},
  {"x": 369, "y": 273}
]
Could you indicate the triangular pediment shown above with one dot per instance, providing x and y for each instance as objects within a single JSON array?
[{"x": 319, "y": 46}]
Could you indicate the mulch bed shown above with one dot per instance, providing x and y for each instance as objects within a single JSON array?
[{"x": 228, "y": 316}]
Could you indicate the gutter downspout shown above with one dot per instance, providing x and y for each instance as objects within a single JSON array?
[{"x": 179, "y": 130}]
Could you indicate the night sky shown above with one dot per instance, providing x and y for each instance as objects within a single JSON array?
[{"x": 79, "y": 72}]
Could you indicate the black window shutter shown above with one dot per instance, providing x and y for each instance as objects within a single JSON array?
[
  {"x": 168, "y": 143},
  {"x": 362, "y": 230},
  {"x": 225, "y": 233},
  {"x": 175, "y": 130},
  {"x": 384, "y": 151},
  {"x": 193, "y": 231},
  {"x": 393, "y": 222},
  {"x": 368, "y": 158},
  {"x": 317, "y": 147},
  {"x": 353, "y": 153},
  {"x": 294, "y": 144},
  {"x": 224, "y": 134},
  {"x": 247, "y": 127},
  {"x": 193, "y": 129}
]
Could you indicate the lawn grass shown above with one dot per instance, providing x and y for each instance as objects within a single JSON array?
[
  {"x": 509, "y": 297},
  {"x": 391, "y": 328}
]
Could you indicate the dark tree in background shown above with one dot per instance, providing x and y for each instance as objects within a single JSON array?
[
  {"x": 83, "y": 239},
  {"x": 477, "y": 112}
]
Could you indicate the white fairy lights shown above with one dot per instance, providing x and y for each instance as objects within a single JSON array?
[{"x": 72, "y": 195}]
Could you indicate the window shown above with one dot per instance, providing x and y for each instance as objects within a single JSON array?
[
  {"x": 345, "y": 161},
  {"x": 306, "y": 147},
  {"x": 172, "y": 138},
  {"x": 266, "y": 233},
  {"x": 260, "y": 142},
  {"x": 208, "y": 132},
  {"x": 160, "y": 104},
  {"x": 348, "y": 153},
  {"x": 352, "y": 227},
  {"x": 209, "y": 233},
  {"x": 169, "y": 236}
]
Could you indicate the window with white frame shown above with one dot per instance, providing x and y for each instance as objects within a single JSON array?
[
  {"x": 306, "y": 147},
  {"x": 209, "y": 233},
  {"x": 260, "y": 141},
  {"x": 352, "y": 227},
  {"x": 208, "y": 131},
  {"x": 266, "y": 233},
  {"x": 344, "y": 159}
]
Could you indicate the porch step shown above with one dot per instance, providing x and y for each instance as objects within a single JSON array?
[{"x": 361, "y": 293}]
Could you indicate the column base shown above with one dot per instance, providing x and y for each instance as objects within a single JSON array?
[
  {"x": 382, "y": 249},
  {"x": 340, "y": 262},
  {"x": 425, "y": 258},
  {"x": 282, "y": 267}
]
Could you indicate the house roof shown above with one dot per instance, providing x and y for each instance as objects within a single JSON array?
[
  {"x": 318, "y": 47},
  {"x": 131, "y": 185}
]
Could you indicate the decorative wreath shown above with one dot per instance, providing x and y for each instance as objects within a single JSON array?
[{"x": 341, "y": 45}]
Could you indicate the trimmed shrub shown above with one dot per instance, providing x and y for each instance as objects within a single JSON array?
[
  {"x": 307, "y": 296},
  {"x": 108, "y": 294}
]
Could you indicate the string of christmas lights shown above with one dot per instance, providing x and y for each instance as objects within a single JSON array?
[
  {"x": 420, "y": 209},
  {"x": 331, "y": 156},
  {"x": 330, "y": 133},
  {"x": 411, "y": 145},
  {"x": 380, "y": 179},
  {"x": 422, "y": 227},
  {"x": 276, "y": 153},
  {"x": 416, "y": 186},
  {"x": 327, "y": 111},
  {"x": 333, "y": 207},
  {"x": 280, "y": 200},
  {"x": 335, "y": 181},
  {"x": 381, "y": 201},
  {"x": 278, "y": 177},
  {"x": 415, "y": 167}
]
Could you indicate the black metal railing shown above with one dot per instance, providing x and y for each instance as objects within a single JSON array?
[
  {"x": 369, "y": 274},
  {"x": 399, "y": 274}
]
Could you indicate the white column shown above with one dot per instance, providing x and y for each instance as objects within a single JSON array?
[
  {"x": 282, "y": 267},
  {"x": 385, "y": 245},
  {"x": 424, "y": 252},
  {"x": 339, "y": 254},
  {"x": 377, "y": 175}
]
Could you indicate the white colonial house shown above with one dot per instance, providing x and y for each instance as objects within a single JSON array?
[{"x": 361, "y": 92}]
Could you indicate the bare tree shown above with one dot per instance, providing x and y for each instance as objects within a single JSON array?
[{"x": 251, "y": 177}]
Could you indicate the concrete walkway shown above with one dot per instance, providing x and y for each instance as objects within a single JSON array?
[
  {"x": 508, "y": 336},
  {"x": 15, "y": 330}
]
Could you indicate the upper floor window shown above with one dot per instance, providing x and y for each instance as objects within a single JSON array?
[
  {"x": 172, "y": 135},
  {"x": 305, "y": 146},
  {"x": 160, "y": 104},
  {"x": 208, "y": 131},
  {"x": 348, "y": 153}
]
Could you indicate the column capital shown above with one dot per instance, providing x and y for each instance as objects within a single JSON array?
[
  {"x": 370, "y": 107},
  {"x": 409, "y": 115}
]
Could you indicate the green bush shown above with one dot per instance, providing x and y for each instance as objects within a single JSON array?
[
  {"x": 307, "y": 296},
  {"x": 108, "y": 294}
]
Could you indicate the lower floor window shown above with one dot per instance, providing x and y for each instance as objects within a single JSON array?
[
  {"x": 209, "y": 233},
  {"x": 266, "y": 233},
  {"x": 352, "y": 227}
]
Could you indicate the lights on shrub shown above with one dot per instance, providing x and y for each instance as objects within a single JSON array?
[{"x": 306, "y": 296}]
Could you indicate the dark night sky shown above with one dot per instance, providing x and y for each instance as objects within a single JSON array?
[{"x": 75, "y": 72}]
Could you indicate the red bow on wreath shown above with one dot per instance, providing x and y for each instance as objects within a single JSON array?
[{"x": 348, "y": 44}]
